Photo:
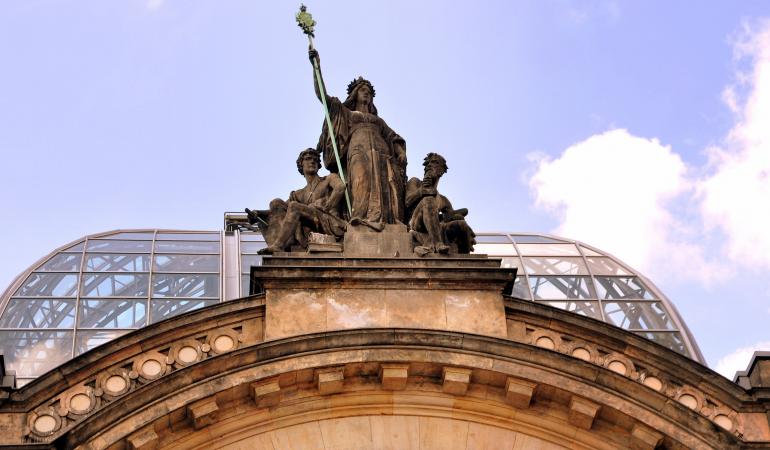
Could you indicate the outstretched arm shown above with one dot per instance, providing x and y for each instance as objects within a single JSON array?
[{"x": 315, "y": 61}]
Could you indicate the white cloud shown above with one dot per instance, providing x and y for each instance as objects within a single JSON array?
[
  {"x": 736, "y": 195},
  {"x": 154, "y": 5},
  {"x": 614, "y": 190},
  {"x": 739, "y": 359}
]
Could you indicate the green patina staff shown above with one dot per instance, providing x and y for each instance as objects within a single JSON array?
[{"x": 306, "y": 22}]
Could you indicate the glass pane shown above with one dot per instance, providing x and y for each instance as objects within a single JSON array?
[
  {"x": 188, "y": 236},
  {"x": 119, "y": 246},
  {"x": 49, "y": 285},
  {"x": 530, "y": 239},
  {"x": 184, "y": 285},
  {"x": 245, "y": 285},
  {"x": 510, "y": 262},
  {"x": 672, "y": 340},
  {"x": 616, "y": 288},
  {"x": 252, "y": 247},
  {"x": 122, "y": 313},
  {"x": 252, "y": 237},
  {"x": 105, "y": 262},
  {"x": 140, "y": 236},
  {"x": 548, "y": 249},
  {"x": 75, "y": 248},
  {"x": 115, "y": 285},
  {"x": 186, "y": 247},
  {"x": 588, "y": 309},
  {"x": 555, "y": 266},
  {"x": 494, "y": 249},
  {"x": 492, "y": 239},
  {"x": 86, "y": 340},
  {"x": 186, "y": 263},
  {"x": 557, "y": 288},
  {"x": 62, "y": 262},
  {"x": 250, "y": 260},
  {"x": 638, "y": 315},
  {"x": 39, "y": 313},
  {"x": 32, "y": 353},
  {"x": 520, "y": 289},
  {"x": 605, "y": 266},
  {"x": 163, "y": 309},
  {"x": 588, "y": 252}
]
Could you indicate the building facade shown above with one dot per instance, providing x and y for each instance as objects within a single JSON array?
[{"x": 173, "y": 339}]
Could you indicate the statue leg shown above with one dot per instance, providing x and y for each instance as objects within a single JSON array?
[
  {"x": 359, "y": 167},
  {"x": 430, "y": 219}
]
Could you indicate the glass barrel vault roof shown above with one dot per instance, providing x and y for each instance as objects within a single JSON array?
[{"x": 104, "y": 285}]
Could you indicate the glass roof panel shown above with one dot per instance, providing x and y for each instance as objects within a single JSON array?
[
  {"x": 548, "y": 249},
  {"x": 88, "y": 339},
  {"x": 672, "y": 340},
  {"x": 163, "y": 309},
  {"x": 520, "y": 289},
  {"x": 555, "y": 266},
  {"x": 39, "y": 313},
  {"x": 188, "y": 237},
  {"x": 130, "y": 235},
  {"x": 252, "y": 247},
  {"x": 510, "y": 261},
  {"x": 245, "y": 236},
  {"x": 106, "y": 262},
  {"x": 75, "y": 248},
  {"x": 62, "y": 262},
  {"x": 620, "y": 288},
  {"x": 32, "y": 353},
  {"x": 250, "y": 260},
  {"x": 605, "y": 266},
  {"x": 186, "y": 247},
  {"x": 492, "y": 239},
  {"x": 113, "y": 313},
  {"x": 638, "y": 315},
  {"x": 559, "y": 288},
  {"x": 185, "y": 285},
  {"x": 116, "y": 246},
  {"x": 494, "y": 249},
  {"x": 187, "y": 263},
  {"x": 49, "y": 285},
  {"x": 115, "y": 285},
  {"x": 535, "y": 239},
  {"x": 588, "y": 252},
  {"x": 588, "y": 309}
]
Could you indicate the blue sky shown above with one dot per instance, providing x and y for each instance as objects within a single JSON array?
[{"x": 637, "y": 127}]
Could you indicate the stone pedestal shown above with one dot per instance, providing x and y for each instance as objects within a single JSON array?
[{"x": 318, "y": 293}]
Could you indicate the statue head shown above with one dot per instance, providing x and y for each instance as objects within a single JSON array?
[
  {"x": 435, "y": 165},
  {"x": 309, "y": 161},
  {"x": 361, "y": 90}
]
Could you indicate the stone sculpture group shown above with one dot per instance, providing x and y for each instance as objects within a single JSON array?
[{"x": 372, "y": 160}]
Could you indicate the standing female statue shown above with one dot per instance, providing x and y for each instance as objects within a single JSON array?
[{"x": 372, "y": 155}]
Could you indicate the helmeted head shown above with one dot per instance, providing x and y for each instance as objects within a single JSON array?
[
  {"x": 361, "y": 90},
  {"x": 308, "y": 159},
  {"x": 435, "y": 165}
]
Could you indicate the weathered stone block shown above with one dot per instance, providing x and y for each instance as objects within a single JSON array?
[
  {"x": 394, "y": 240},
  {"x": 646, "y": 437},
  {"x": 456, "y": 380},
  {"x": 582, "y": 412},
  {"x": 266, "y": 393},
  {"x": 394, "y": 376},
  {"x": 202, "y": 412},
  {"x": 330, "y": 380},
  {"x": 519, "y": 392},
  {"x": 144, "y": 439}
]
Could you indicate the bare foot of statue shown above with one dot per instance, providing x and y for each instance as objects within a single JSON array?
[
  {"x": 442, "y": 248},
  {"x": 421, "y": 250},
  {"x": 268, "y": 250}
]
